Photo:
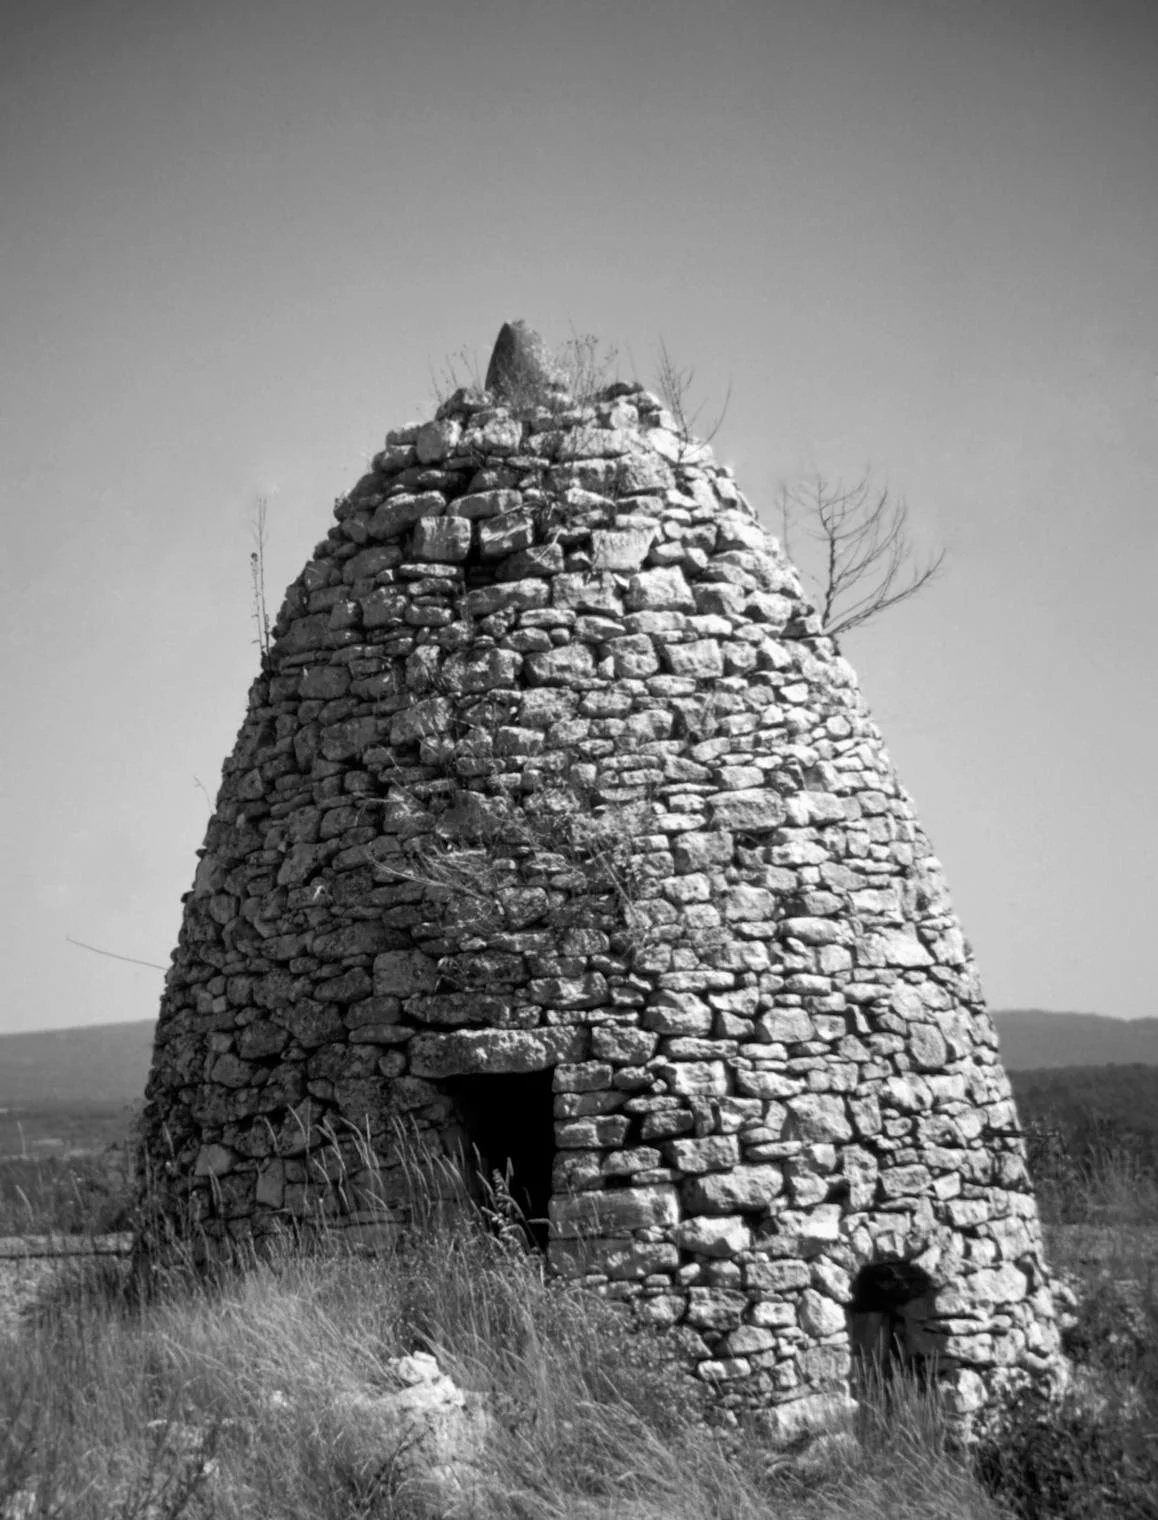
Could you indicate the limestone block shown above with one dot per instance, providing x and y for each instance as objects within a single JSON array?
[
  {"x": 664, "y": 589},
  {"x": 818, "y": 1116},
  {"x": 927, "y": 1047},
  {"x": 511, "y": 1050},
  {"x": 736, "y": 530},
  {"x": 622, "y": 1259},
  {"x": 750, "y": 810},
  {"x": 716, "y": 1237},
  {"x": 312, "y": 1023},
  {"x": 435, "y": 440},
  {"x": 588, "y": 591},
  {"x": 261, "y": 1038},
  {"x": 714, "y": 1153},
  {"x": 429, "y": 1434},
  {"x": 715, "y": 1308},
  {"x": 894, "y": 947},
  {"x": 678, "y": 1013},
  {"x": 521, "y": 369},
  {"x": 505, "y": 534},
  {"x": 816, "y": 931},
  {"x": 636, "y": 1159},
  {"x": 343, "y": 741},
  {"x": 600, "y": 1133},
  {"x": 905, "y": 1181},
  {"x": 806, "y": 809},
  {"x": 723, "y": 1369},
  {"x": 633, "y": 656},
  {"x": 365, "y": 936},
  {"x": 400, "y": 973},
  {"x": 776, "y": 1276},
  {"x": 614, "y": 1212},
  {"x": 748, "y": 1187},
  {"x": 324, "y": 682},
  {"x": 214, "y": 1161},
  {"x": 385, "y": 607},
  {"x": 766, "y": 1082},
  {"x": 660, "y": 1126},
  {"x": 574, "y": 1171},
  {"x": 693, "y": 1078},
  {"x": 444, "y": 540},
  {"x": 481, "y": 670},
  {"x": 400, "y": 513},
  {"x": 507, "y": 596},
  {"x": 228, "y": 1071},
  {"x": 746, "y": 1340},
  {"x": 703, "y": 851},
  {"x": 583, "y": 1076},
  {"x": 623, "y": 1045},
  {"x": 811, "y": 1415},
  {"x": 701, "y": 660},
  {"x": 789, "y": 1026},
  {"x": 773, "y": 1314},
  {"x": 811, "y": 1229},
  {"x": 270, "y": 1189},
  {"x": 368, "y": 563},
  {"x": 448, "y": 1010},
  {"x": 570, "y": 992},
  {"x": 485, "y": 504},
  {"x": 621, "y": 550},
  {"x": 865, "y": 1113},
  {"x": 906, "y": 1095},
  {"x": 1006, "y": 1284},
  {"x": 561, "y": 667}
]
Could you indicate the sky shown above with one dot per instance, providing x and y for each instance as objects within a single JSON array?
[{"x": 241, "y": 241}]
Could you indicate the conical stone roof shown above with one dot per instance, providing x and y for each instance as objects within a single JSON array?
[{"x": 552, "y": 803}]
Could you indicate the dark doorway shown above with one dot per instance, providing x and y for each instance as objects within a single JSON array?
[
  {"x": 509, "y": 1120},
  {"x": 887, "y": 1322}
]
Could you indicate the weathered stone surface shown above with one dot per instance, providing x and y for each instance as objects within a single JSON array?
[
  {"x": 492, "y": 1050},
  {"x": 721, "y": 1237},
  {"x": 819, "y": 1116},
  {"x": 432, "y": 1436},
  {"x": 715, "y": 1153},
  {"x": 744, "y": 1187},
  {"x": 621, "y": 550},
  {"x": 521, "y": 369},
  {"x": 400, "y": 973},
  {"x": 659, "y": 590},
  {"x": 753, "y": 809},
  {"x": 402, "y": 512},
  {"x": 442, "y": 539},
  {"x": 614, "y": 1213},
  {"x": 550, "y": 787}
]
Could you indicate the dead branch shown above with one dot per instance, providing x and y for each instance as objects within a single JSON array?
[
  {"x": 869, "y": 562},
  {"x": 675, "y": 385},
  {"x": 259, "y": 610}
]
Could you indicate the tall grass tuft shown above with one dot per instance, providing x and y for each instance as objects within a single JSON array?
[{"x": 249, "y": 1392}]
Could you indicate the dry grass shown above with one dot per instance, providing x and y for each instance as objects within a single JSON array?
[
  {"x": 244, "y": 1394},
  {"x": 238, "y": 1396}
]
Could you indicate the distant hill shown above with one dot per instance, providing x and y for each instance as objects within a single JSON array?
[
  {"x": 97, "y": 1065},
  {"x": 1033, "y": 1039},
  {"x": 102, "y": 1064}
]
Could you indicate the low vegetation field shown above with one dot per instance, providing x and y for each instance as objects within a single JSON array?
[{"x": 251, "y": 1394}]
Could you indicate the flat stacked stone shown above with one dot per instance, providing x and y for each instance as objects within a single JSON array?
[{"x": 552, "y": 769}]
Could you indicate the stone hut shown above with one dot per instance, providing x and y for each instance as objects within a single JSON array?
[{"x": 558, "y": 832}]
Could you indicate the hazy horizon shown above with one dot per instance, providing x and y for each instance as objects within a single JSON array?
[{"x": 913, "y": 236}]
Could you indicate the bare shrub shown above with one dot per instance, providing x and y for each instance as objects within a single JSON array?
[{"x": 867, "y": 560}]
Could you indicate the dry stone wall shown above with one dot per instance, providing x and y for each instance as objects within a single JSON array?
[{"x": 552, "y": 783}]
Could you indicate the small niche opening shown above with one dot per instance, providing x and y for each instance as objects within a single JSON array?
[
  {"x": 509, "y": 1124},
  {"x": 888, "y": 1319}
]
